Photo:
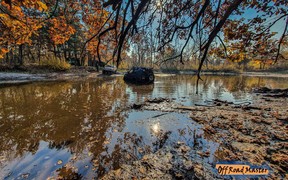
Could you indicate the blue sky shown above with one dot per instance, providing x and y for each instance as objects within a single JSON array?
[{"x": 277, "y": 27}]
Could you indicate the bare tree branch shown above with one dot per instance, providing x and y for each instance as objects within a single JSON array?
[
  {"x": 280, "y": 42},
  {"x": 225, "y": 49},
  {"x": 123, "y": 35},
  {"x": 201, "y": 13},
  {"x": 233, "y": 6}
]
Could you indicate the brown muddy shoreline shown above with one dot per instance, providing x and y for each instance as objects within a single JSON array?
[
  {"x": 250, "y": 132},
  {"x": 78, "y": 74}
]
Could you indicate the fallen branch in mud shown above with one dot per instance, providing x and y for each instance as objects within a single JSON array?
[
  {"x": 190, "y": 108},
  {"x": 156, "y": 104},
  {"x": 250, "y": 108},
  {"x": 221, "y": 101}
]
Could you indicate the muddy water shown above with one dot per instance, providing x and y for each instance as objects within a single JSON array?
[{"x": 83, "y": 129}]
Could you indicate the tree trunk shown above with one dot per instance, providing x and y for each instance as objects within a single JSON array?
[
  {"x": 7, "y": 58},
  {"x": 96, "y": 63},
  {"x": 30, "y": 54},
  {"x": 39, "y": 53},
  {"x": 76, "y": 58},
  {"x": 12, "y": 58},
  {"x": 20, "y": 58},
  {"x": 83, "y": 59},
  {"x": 65, "y": 52},
  {"x": 69, "y": 53}
]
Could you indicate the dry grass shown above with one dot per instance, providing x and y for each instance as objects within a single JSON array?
[{"x": 55, "y": 64}]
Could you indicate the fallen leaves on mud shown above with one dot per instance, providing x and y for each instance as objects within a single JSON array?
[
  {"x": 167, "y": 163},
  {"x": 248, "y": 132},
  {"x": 252, "y": 133}
]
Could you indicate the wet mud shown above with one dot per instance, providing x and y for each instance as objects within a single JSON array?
[{"x": 255, "y": 132}]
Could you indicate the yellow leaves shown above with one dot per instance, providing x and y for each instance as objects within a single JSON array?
[
  {"x": 3, "y": 51},
  {"x": 93, "y": 22},
  {"x": 256, "y": 61},
  {"x": 241, "y": 56},
  {"x": 42, "y": 6},
  {"x": 18, "y": 27},
  {"x": 17, "y": 8},
  {"x": 35, "y": 4},
  {"x": 105, "y": 14},
  {"x": 16, "y": 31},
  {"x": 6, "y": 5},
  {"x": 60, "y": 31},
  {"x": 4, "y": 18}
]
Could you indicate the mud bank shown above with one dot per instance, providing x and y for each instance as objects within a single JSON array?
[
  {"x": 18, "y": 77},
  {"x": 14, "y": 78},
  {"x": 284, "y": 74},
  {"x": 253, "y": 132}
]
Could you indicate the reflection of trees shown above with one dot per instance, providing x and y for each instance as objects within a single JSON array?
[
  {"x": 67, "y": 114},
  {"x": 213, "y": 86},
  {"x": 140, "y": 91}
]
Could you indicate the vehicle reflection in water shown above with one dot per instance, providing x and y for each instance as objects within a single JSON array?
[{"x": 83, "y": 129}]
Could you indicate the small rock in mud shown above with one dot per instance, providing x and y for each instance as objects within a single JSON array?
[
  {"x": 59, "y": 162},
  {"x": 25, "y": 176}
]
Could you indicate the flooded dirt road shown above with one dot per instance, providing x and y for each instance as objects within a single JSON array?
[{"x": 84, "y": 129}]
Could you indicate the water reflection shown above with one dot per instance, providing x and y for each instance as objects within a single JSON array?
[
  {"x": 231, "y": 88},
  {"x": 156, "y": 128},
  {"x": 86, "y": 126}
]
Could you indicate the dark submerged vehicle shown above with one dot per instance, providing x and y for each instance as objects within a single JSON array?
[{"x": 139, "y": 75}]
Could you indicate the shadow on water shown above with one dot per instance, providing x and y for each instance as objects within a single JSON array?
[{"x": 82, "y": 129}]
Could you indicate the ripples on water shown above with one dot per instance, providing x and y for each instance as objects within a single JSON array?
[{"x": 82, "y": 129}]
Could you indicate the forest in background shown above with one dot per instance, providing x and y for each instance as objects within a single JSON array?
[{"x": 163, "y": 34}]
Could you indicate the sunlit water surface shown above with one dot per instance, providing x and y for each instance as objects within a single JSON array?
[{"x": 83, "y": 129}]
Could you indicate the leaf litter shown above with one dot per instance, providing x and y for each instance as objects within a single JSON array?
[{"x": 254, "y": 132}]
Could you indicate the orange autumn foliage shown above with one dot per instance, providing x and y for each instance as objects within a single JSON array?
[
  {"x": 23, "y": 19},
  {"x": 16, "y": 27},
  {"x": 59, "y": 30}
]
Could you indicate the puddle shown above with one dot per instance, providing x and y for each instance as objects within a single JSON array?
[{"x": 83, "y": 129}]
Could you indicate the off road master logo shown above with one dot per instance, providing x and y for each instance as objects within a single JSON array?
[{"x": 241, "y": 169}]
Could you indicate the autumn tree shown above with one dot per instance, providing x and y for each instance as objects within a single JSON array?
[
  {"x": 186, "y": 20},
  {"x": 105, "y": 30},
  {"x": 64, "y": 29},
  {"x": 22, "y": 21},
  {"x": 17, "y": 27}
]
